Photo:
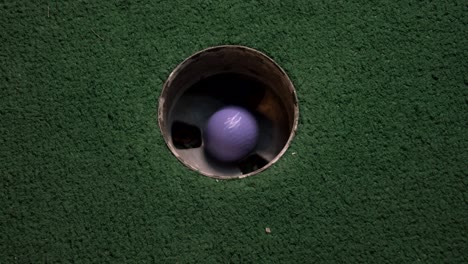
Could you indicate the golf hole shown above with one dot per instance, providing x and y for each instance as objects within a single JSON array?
[{"x": 222, "y": 76}]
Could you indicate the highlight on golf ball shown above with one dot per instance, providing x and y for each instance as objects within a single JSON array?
[{"x": 230, "y": 134}]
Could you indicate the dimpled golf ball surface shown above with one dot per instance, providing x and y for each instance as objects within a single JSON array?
[{"x": 231, "y": 133}]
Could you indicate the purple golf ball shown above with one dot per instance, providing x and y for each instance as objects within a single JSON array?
[{"x": 231, "y": 133}]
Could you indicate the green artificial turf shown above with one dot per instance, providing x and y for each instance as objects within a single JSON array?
[{"x": 379, "y": 171}]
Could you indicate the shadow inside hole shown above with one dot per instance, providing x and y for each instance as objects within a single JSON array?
[
  {"x": 201, "y": 100},
  {"x": 185, "y": 136},
  {"x": 231, "y": 89},
  {"x": 251, "y": 163}
]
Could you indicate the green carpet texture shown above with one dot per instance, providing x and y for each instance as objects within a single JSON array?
[{"x": 377, "y": 172}]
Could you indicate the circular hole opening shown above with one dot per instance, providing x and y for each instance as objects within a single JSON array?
[{"x": 221, "y": 76}]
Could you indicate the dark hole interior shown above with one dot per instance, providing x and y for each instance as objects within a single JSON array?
[
  {"x": 185, "y": 136},
  {"x": 231, "y": 89},
  {"x": 228, "y": 89},
  {"x": 251, "y": 163}
]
